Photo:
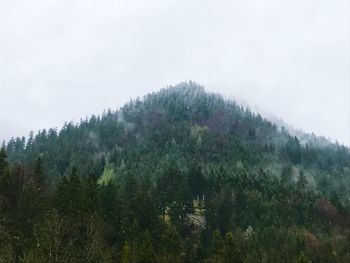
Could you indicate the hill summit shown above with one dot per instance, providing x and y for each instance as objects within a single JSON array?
[{"x": 202, "y": 126}]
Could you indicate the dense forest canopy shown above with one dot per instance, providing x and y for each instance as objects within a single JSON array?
[{"x": 180, "y": 175}]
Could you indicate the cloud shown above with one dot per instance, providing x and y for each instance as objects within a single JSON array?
[{"x": 62, "y": 60}]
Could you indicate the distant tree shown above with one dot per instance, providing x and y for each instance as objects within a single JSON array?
[
  {"x": 197, "y": 182},
  {"x": 126, "y": 254},
  {"x": 303, "y": 259},
  {"x": 8, "y": 186},
  {"x": 286, "y": 174},
  {"x": 171, "y": 245},
  {"x": 293, "y": 149},
  {"x": 230, "y": 252},
  {"x": 146, "y": 251},
  {"x": 302, "y": 182},
  {"x": 39, "y": 174},
  {"x": 216, "y": 247}
]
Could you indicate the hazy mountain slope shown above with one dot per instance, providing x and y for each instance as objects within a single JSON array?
[
  {"x": 203, "y": 126},
  {"x": 181, "y": 175}
]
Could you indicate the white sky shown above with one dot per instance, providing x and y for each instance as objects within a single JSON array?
[{"x": 61, "y": 60}]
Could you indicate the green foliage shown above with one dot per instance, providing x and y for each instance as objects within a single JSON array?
[
  {"x": 126, "y": 254},
  {"x": 172, "y": 244},
  {"x": 230, "y": 253},
  {"x": 107, "y": 176},
  {"x": 134, "y": 185},
  {"x": 147, "y": 253},
  {"x": 302, "y": 259},
  {"x": 293, "y": 149},
  {"x": 216, "y": 247}
]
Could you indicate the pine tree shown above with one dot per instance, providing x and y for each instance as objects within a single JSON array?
[
  {"x": 171, "y": 244},
  {"x": 126, "y": 254},
  {"x": 146, "y": 251},
  {"x": 216, "y": 247},
  {"x": 230, "y": 252}
]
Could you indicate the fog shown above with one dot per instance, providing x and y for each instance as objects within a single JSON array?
[{"x": 62, "y": 60}]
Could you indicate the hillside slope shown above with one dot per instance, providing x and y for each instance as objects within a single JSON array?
[
  {"x": 181, "y": 175},
  {"x": 203, "y": 127}
]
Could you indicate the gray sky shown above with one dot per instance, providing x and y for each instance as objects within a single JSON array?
[{"x": 61, "y": 60}]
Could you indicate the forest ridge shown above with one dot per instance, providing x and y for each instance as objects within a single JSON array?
[{"x": 181, "y": 175}]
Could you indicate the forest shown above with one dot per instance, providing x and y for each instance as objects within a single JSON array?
[{"x": 180, "y": 175}]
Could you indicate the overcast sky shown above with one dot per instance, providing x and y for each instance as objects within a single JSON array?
[{"x": 61, "y": 60}]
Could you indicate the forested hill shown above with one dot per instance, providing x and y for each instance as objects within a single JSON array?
[
  {"x": 181, "y": 175},
  {"x": 194, "y": 126}
]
